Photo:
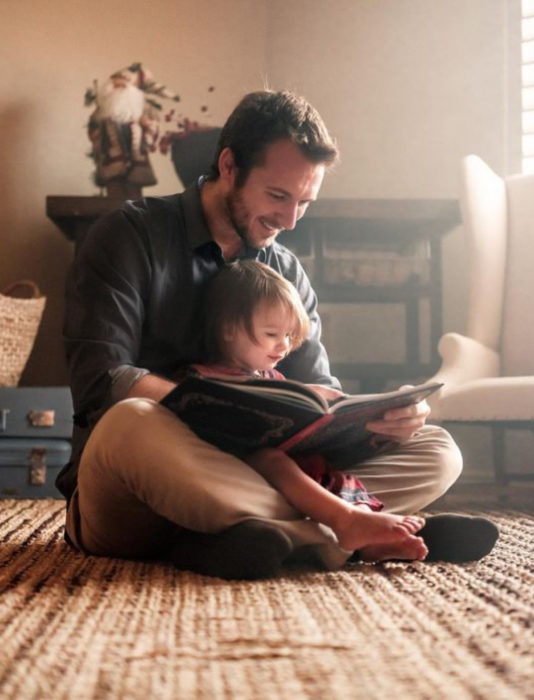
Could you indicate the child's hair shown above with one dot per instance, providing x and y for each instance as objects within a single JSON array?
[{"x": 232, "y": 296}]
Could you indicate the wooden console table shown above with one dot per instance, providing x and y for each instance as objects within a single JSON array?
[{"x": 388, "y": 223}]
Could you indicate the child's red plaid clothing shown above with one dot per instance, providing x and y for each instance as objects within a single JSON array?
[{"x": 344, "y": 485}]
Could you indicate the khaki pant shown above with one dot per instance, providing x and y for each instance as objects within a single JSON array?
[{"x": 143, "y": 472}]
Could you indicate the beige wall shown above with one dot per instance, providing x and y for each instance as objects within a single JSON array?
[{"x": 407, "y": 86}]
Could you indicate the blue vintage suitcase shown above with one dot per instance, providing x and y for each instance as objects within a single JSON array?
[
  {"x": 28, "y": 468},
  {"x": 35, "y": 431}
]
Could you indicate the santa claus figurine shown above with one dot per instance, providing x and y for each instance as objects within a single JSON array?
[{"x": 124, "y": 128}]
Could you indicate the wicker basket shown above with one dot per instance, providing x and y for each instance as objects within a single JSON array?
[{"x": 19, "y": 323}]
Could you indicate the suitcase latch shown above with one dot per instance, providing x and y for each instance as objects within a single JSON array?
[
  {"x": 3, "y": 419},
  {"x": 38, "y": 466},
  {"x": 42, "y": 419}
]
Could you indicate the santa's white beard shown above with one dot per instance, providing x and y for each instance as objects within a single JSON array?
[{"x": 122, "y": 104}]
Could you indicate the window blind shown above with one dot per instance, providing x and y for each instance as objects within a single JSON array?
[{"x": 527, "y": 85}]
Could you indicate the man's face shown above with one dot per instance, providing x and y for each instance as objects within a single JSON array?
[{"x": 275, "y": 194}]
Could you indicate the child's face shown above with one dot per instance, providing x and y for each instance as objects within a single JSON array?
[{"x": 273, "y": 327}]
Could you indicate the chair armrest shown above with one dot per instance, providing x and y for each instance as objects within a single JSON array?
[{"x": 464, "y": 359}]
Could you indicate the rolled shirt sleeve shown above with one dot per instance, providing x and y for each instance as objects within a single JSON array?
[{"x": 123, "y": 378}]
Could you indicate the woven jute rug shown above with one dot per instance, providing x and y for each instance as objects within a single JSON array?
[{"x": 82, "y": 627}]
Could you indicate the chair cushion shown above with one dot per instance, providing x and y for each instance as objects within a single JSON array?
[
  {"x": 517, "y": 344},
  {"x": 501, "y": 398}
]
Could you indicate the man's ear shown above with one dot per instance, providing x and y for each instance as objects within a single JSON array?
[{"x": 227, "y": 166}]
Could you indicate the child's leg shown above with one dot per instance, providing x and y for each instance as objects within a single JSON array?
[{"x": 356, "y": 526}]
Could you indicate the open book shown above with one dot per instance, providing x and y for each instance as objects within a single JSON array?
[{"x": 243, "y": 415}]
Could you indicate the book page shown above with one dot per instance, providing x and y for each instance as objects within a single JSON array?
[{"x": 390, "y": 399}]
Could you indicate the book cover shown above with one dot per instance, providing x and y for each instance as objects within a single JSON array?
[{"x": 241, "y": 416}]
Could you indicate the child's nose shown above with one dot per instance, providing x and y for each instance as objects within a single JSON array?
[{"x": 284, "y": 343}]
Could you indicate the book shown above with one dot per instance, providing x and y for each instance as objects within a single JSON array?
[{"x": 242, "y": 415}]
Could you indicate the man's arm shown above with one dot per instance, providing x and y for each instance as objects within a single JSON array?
[
  {"x": 105, "y": 308},
  {"x": 308, "y": 364}
]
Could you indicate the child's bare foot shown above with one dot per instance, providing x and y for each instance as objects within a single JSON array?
[
  {"x": 359, "y": 527},
  {"x": 410, "y": 549}
]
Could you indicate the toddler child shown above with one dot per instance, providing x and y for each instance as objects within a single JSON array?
[{"x": 252, "y": 318}]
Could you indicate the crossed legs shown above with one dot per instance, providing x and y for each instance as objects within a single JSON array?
[{"x": 144, "y": 476}]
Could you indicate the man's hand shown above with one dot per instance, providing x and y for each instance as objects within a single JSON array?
[{"x": 400, "y": 424}]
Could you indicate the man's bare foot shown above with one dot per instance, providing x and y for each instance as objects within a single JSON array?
[
  {"x": 359, "y": 527},
  {"x": 410, "y": 549}
]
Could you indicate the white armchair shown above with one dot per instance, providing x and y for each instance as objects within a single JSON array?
[{"x": 489, "y": 374}]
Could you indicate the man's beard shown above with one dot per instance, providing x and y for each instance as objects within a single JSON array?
[{"x": 239, "y": 218}]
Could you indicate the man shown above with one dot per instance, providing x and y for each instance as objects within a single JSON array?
[{"x": 146, "y": 485}]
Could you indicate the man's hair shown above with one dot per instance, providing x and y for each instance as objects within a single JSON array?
[
  {"x": 260, "y": 119},
  {"x": 232, "y": 296}
]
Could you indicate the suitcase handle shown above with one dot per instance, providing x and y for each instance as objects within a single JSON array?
[{"x": 42, "y": 419}]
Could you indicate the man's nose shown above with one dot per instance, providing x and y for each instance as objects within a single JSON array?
[{"x": 291, "y": 216}]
